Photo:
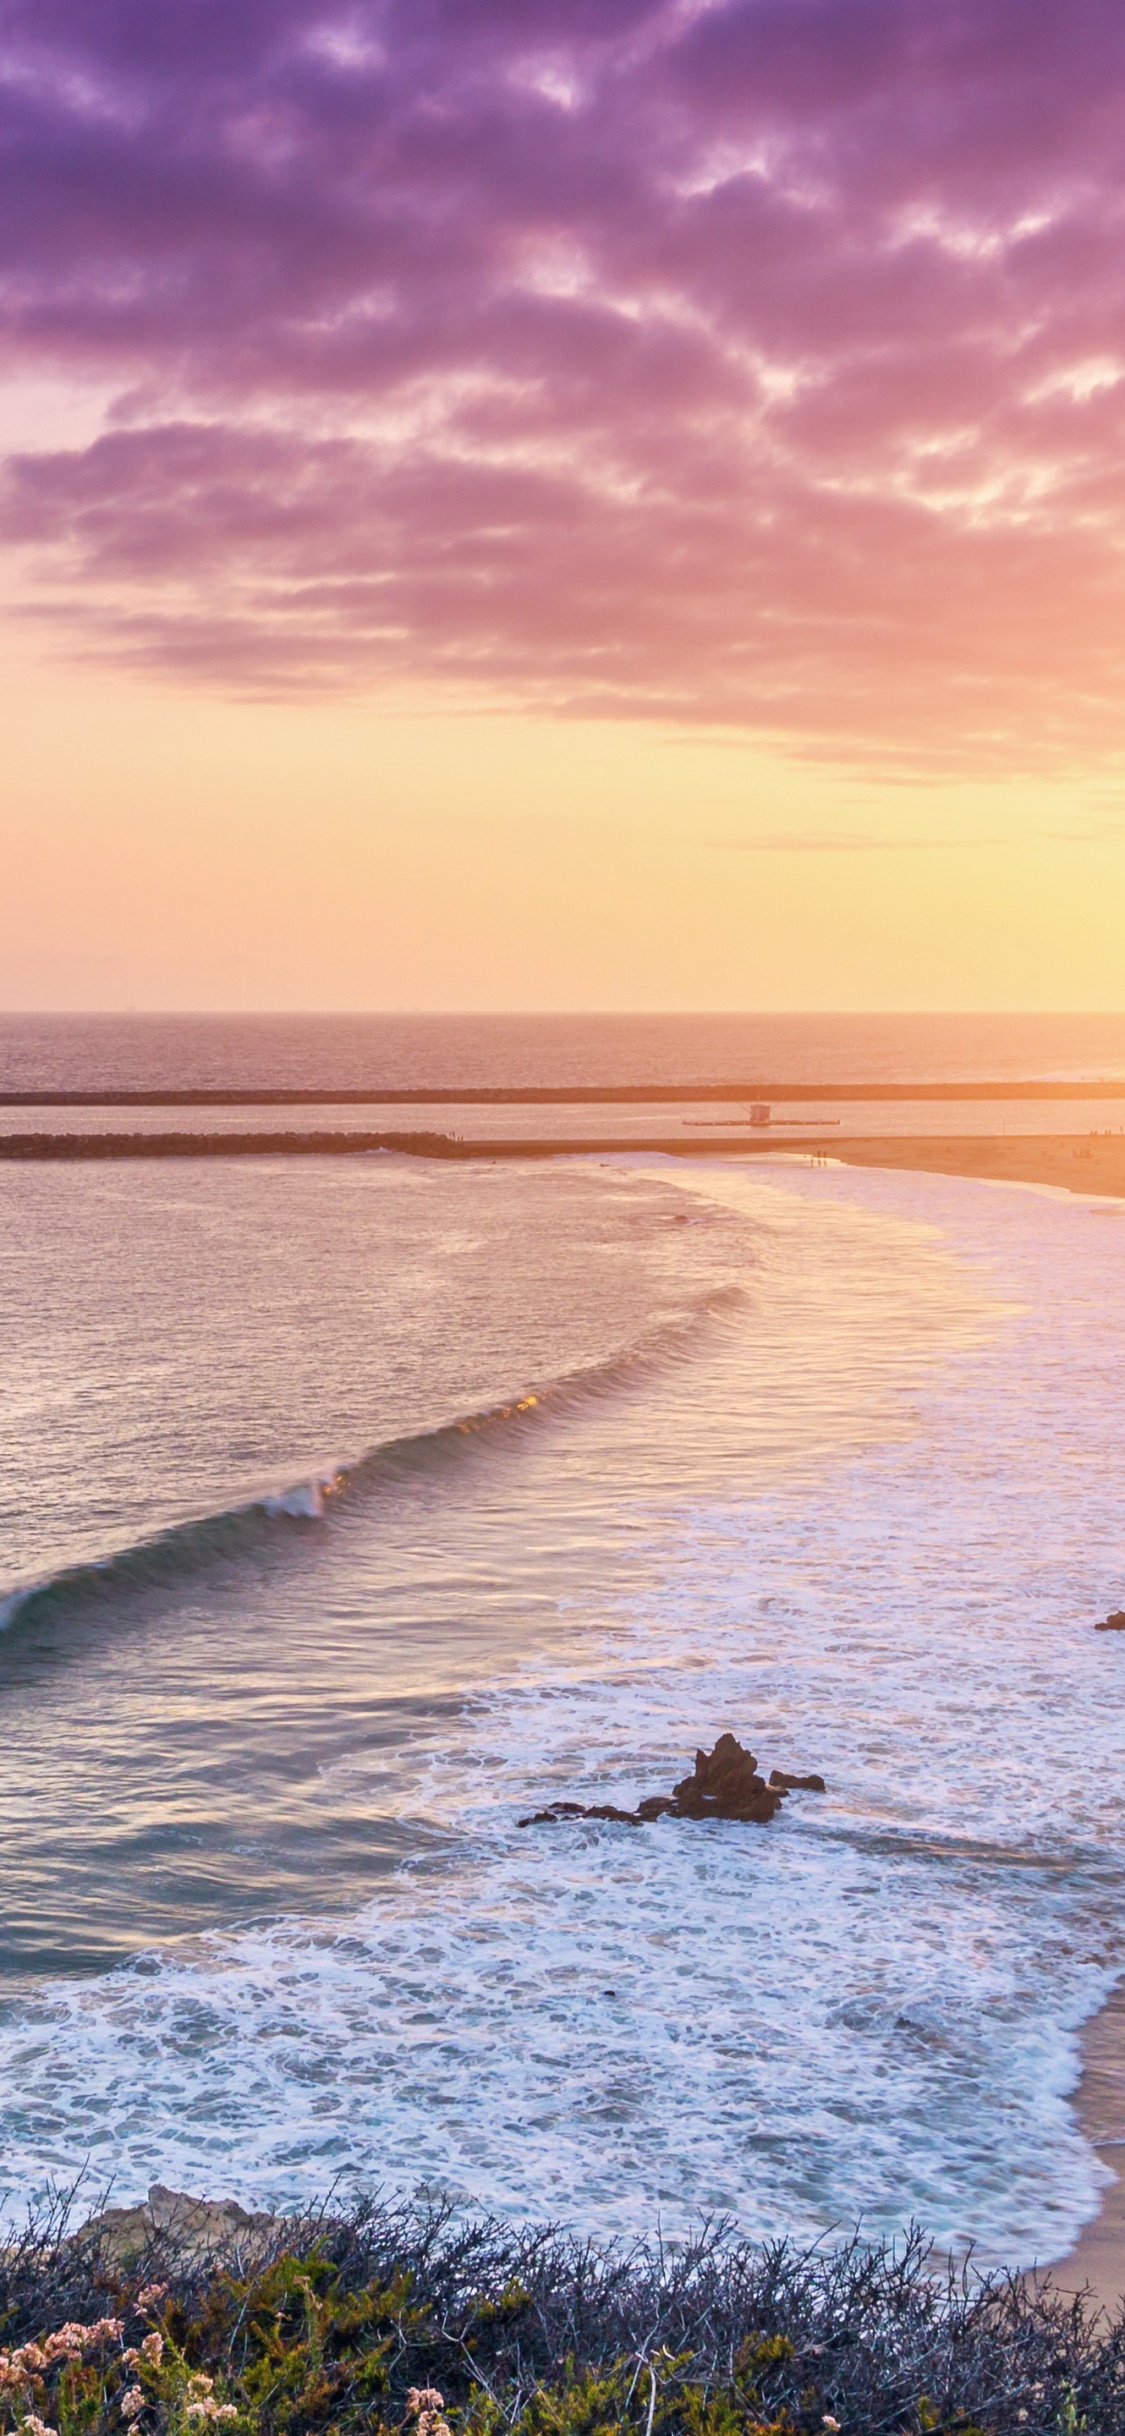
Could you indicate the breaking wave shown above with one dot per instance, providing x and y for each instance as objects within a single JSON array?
[{"x": 169, "y": 1558}]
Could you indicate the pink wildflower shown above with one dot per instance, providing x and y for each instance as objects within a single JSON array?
[
  {"x": 31, "y": 2426},
  {"x": 70, "y": 2341},
  {"x": 151, "y": 2295},
  {"x": 64, "y": 2343},
  {"x": 132, "y": 2403},
  {"x": 425, "y": 2405}
]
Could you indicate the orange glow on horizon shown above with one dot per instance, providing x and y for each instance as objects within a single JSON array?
[{"x": 170, "y": 851}]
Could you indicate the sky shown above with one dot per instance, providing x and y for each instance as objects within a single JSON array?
[{"x": 596, "y": 503}]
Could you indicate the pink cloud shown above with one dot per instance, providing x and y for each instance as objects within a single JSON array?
[{"x": 759, "y": 363}]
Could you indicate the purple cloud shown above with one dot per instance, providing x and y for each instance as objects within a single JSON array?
[{"x": 760, "y": 363}]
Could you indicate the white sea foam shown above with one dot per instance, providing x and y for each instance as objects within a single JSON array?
[
  {"x": 308, "y": 1499},
  {"x": 886, "y": 1563}
]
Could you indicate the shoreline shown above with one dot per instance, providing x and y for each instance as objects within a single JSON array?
[
  {"x": 1077, "y": 1163},
  {"x": 1097, "y": 2261},
  {"x": 1094, "y": 1165}
]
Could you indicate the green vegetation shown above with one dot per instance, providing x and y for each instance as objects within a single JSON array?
[{"x": 383, "y": 2321}]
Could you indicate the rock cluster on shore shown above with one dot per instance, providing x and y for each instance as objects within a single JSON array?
[
  {"x": 192, "y": 2229},
  {"x": 724, "y": 1784}
]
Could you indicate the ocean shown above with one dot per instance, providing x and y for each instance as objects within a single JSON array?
[{"x": 352, "y": 1510}]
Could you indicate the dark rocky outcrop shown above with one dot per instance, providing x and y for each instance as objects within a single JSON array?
[
  {"x": 559, "y": 1812},
  {"x": 724, "y": 1784},
  {"x": 1113, "y": 1623}
]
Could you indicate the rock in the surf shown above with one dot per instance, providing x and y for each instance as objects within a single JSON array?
[
  {"x": 1113, "y": 1623},
  {"x": 555, "y": 1814},
  {"x": 724, "y": 1784},
  {"x": 559, "y": 1812}
]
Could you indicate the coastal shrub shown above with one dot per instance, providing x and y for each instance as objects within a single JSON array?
[{"x": 392, "y": 2322}]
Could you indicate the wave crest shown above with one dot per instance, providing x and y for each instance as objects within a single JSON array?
[{"x": 183, "y": 1550}]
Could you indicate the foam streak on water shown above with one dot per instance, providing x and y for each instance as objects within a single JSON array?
[{"x": 869, "y": 1523}]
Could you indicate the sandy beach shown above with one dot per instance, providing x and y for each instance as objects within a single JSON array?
[
  {"x": 1080, "y": 1163},
  {"x": 1099, "y": 2259}
]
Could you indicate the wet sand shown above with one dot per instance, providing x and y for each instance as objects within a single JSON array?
[{"x": 1099, "y": 2259}]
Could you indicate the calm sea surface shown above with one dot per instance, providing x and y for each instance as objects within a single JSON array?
[
  {"x": 317, "y": 1052},
  {"x": 349, "y": 1511}
]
